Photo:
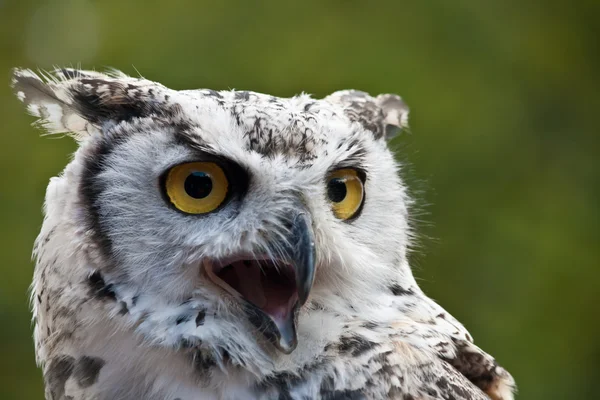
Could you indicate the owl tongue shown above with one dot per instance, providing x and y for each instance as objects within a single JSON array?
[{"x": 269, "y": 286}]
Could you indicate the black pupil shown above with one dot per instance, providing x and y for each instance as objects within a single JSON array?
[
  {"x": 198, "y": 185},
  {"x": 336, "y": 190}
]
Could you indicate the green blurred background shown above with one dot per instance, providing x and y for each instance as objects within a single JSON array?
[{"x": 502, "y": 156}]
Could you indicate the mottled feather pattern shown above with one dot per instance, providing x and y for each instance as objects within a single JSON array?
[{"x": 122, "y": 308}]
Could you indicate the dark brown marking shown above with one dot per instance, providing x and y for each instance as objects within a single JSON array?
[
  {"x": 398, "y": 290},
  {"x": 98, "y": 287},
  {"x": 87, "y": 370},
  {"x": 56, "y": 375},
  {"x": 355, "y": 345},
  {"x": 203, "y": 362},
  {"x": 200, "y": 318},
  {"x": 344, "y": 395}
]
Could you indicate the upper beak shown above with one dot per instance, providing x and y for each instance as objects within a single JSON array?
[{"x": 303, "y": 251}]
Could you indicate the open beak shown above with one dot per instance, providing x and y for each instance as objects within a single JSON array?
[{"x": 274, "y": 289}]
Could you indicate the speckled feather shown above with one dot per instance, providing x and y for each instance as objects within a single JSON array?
[{"x": 121, "y": 308}]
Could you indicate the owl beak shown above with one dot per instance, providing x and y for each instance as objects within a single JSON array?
[
  {"x": 301, "y": 245},
  {"x": 273, "y": 289}
]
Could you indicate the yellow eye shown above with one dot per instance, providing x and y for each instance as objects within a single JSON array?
[
  {"x": 346, "y": 192},
  {"x": 196, "y": 187}
]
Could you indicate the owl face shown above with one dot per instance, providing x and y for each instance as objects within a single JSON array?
[{"x": 223, "y": 217}]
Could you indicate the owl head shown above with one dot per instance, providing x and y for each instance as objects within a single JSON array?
[{"x": 223, "y": 220}]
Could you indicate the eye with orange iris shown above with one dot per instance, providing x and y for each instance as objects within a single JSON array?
[
  {"x": 196, "y": 187},
  {"x": 346, "y": 193}
]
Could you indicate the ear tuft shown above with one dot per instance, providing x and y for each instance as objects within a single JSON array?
[
  {"x": 385, "y": 115},
  {"x": 395, "y": 113},
  {"x": 81, "y": 102},
  {"x": 44, "y": 99}
]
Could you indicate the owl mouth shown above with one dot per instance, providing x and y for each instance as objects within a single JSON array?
[{"x": 269, "y": 285}]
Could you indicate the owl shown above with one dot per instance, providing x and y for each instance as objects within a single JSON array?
[{"x": 208, "y": 244}]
